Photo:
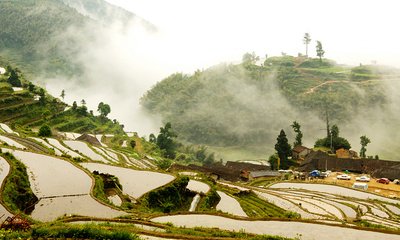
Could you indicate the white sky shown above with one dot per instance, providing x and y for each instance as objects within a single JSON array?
[{"x": 206, "y": 32}]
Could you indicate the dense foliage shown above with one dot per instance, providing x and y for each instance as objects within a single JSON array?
[
  {"x": 170, "y": 197},
  {"x": 33, "y": 107},
  {"x": 17, "y": 194},
  {"x": 244, "y": 104}
]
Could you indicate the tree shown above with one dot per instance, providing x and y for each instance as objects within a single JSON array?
[
  {"x": 333, "y": 140},
  {"x": 45, "y": 131},
  {"x": 165, "y": 141},
  {"x": 13, "y": 79},
  {"x": 62, "y": 95},
  {"x": 320, "y": 51},
  {"x": 83, "y": 102},
  {"x": 306, "y": 41},
  {"x": 283, "y": 149},
  {"x": 299, "y": 135},
  {"x": 132, "y": 143},
  {"x": 103, "y": 109},
  {"x": 152, "y": 138},
  {"x": 42, "y": 95},
  {"x": 250, "y": 59},
  {"x": 31, "y": 87},
  {"x": 273, "y": 161},
  {"x": 364, "y": 142},
  {"x": 335, "y": 131},
  {"x": 74, "y": 105}
]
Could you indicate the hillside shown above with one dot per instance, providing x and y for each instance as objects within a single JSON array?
[
  {"x": 29, "y": 106},
  {"x": 243, "y": 105},
  {"x": 44, "y": 37}
]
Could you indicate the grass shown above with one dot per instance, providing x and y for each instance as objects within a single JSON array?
[
  {"x": 17, "y": 194},
  {"x": 82, "y": 232}
]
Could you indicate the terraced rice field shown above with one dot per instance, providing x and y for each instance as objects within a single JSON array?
[
  {"x": 56, "y": 151},
  {"x": 55, "y": 143},
  {"x": 333, "y": 203},
  {"x": 7, "y": 129},
  {"x": 230, "y": 205},
  {"x": 4, "y": 170},
  {"x": 197, "y": 186},
  {"x": 334, "y": 190},
  {"x": 62, "y": 188},
  {"x": 307, "y": 231},
  {"x": 11, "y": 142},
  {"x": 135, "y": 183},
  {"x": 85, "y": 150}
]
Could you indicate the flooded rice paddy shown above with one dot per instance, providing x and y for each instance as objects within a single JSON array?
[
  {"x": 135, "y": 183},
  {"x": 307, "y": 231},
  {"x": 230, "y": 205}
]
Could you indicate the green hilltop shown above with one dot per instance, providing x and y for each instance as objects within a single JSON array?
[
  {"x": 244, "y": 105},
  {"x": 43, "y": 37},
  {"x": 25, "y": 106}
]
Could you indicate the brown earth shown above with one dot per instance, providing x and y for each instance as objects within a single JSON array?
[{"x": 388, "y": 190}]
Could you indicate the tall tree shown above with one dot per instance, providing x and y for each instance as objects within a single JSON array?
[
  {"x": 364, "y": 142},
  {"x": 249, "y": 59},
  {"x": 306, "y": 41},
  {"x": 320, "y": 51},
  {"x": 62, "y": 95},
  {"x": 335, "y": 131},
  {"x": 13, "y": 79},
  {"x": 283, "y": 149},
  {"x": 103, "y": 109},
  {"x": 165, "y": 141},
  {"x": 299, "y": 135},
  {"x": 83, "y": 102}
]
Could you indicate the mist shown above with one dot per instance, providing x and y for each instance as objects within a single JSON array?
[{"x": 123, "y": 60}]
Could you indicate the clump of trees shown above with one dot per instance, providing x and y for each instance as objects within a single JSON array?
[
  {"x": 170, "y": 197},
  {"x": 104, "y": 109},
  {"x": 44, "y": 131},
  {"x": 165, "y": 141},
  {"x": 333, "y": 140}
]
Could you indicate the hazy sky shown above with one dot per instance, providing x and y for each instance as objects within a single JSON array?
[{"x": 208, "y": 32}]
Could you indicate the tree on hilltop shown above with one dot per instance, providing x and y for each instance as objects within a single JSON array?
[
  {"x": 306, "y": 41},
  {"x": 320, "y": 51},
  {"x": 104, "y": 109},
  {"x": 364, "y": 142}
]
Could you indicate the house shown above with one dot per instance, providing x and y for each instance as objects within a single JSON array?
[{"x": 300, "y": 152}]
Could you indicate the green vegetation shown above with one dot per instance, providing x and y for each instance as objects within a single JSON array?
[
  {"x": 233, "y": 105},
  {"x": 17, "y": 194},
  {"x": 33, "y": 107},
  {"x": 364, "y": 142},
  {"x": 172, "y": 197},
  {"x": 44, "y": 131},
  {"x": 27, "y": 27},
  {"x": 333, "y": 141},
  {"x": 299, "y": 135},
  {"x": 82, "y": 232},
  {"x": 284, "y": 151},
  {"x": 210, "y": 201}
]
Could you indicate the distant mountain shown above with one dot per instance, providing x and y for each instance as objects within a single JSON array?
[
  {"x": 243, "y": 105},
  {"x": 36, "y": 35}
]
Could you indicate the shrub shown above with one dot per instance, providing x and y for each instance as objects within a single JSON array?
[{"x": 45, "y": 131}]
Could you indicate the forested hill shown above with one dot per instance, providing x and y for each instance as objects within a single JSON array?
[
  {"x": 25, "y": 106},
  {"x": 42, "y": 37},
  {"x": 247, "y": 104}
]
